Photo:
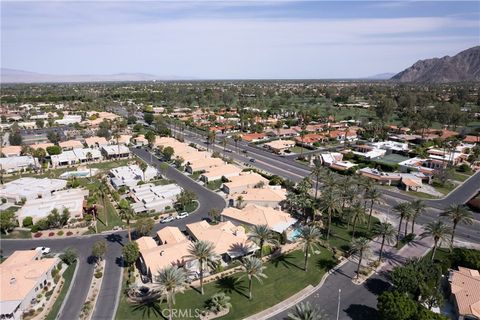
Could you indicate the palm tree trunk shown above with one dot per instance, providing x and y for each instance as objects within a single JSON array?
[
  {"x": 370, "y": 215},
  {"x": 306, "y": 259},
  {"x": 250, "y": 288},
  {"x": 399, "y": 231},
  {"x": 413, "y": 225},
  {"x": 105, "y": 210},
  {"x": 453, "y": 236},
  {"x": 316, "y": 188},
  {"x": 406, "y": 227},
  {"x": 170, "y": 309},
  {"x": 354, "y": 226},
  {"x": 329, "y": 225},
  {"x": 434, "y": 250},
  {"x": 262, "y": 243},
  {"x": 381, "y": 249},
  {"x": 359, "y": 263},
  {"x": 129, "y": 232},
  {"x": 201, "y": 276}
]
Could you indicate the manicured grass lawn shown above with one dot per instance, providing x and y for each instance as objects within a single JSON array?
[
  {"x": 191, "y": 207},
  {"x": 113, "y": 218},
  {"x": 105, "y": 166},
  {"x": 214, "y": 185},
  {"x": 298, "y": 150},
  {"x": 461, "y": 176},
  {"x": 67, "y": 275},
  {"x": 341, "y": 238},
  {"x": 195, "y": 175},
  {"x": 161, "y": 182},
  {"x": 285, "y": 278}
]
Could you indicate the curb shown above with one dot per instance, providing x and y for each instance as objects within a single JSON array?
[
  {"x": 297, "y": 297},
  {"x": 69, "y": 290}
]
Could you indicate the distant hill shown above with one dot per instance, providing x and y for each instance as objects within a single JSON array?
[
  {"x": 381, "y": 76},
  {"x": 465, "y": 66},
  {"x": 21, "y": 76}
]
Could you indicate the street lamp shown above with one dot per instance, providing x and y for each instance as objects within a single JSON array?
[{"x": 338, "y": 307}]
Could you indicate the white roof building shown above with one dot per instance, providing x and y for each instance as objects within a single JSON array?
[
  {"x": 30, "y": 188},
  {"x": 115, "y": 150},
  {"x": 74, "y": 156},
  {"x": 131, "y": 175},
  {"x": 151, "y": 197},
  {"x": 69, "y": 119},
  {"x": 13, "y": 164},
  {"x": 391, "y": 145},
  {"x": 39, "y": 208}
]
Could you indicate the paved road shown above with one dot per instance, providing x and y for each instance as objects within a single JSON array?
[{"x": 111, "y": 285}]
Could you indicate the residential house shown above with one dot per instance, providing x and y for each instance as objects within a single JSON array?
[
  {"x": 70, "y": 144},
  {"x": 115, "y": 151},
  {"x": 14, "y": 164},
  {"x": 30, "y": 188},
  {"x": 96, "y": 142},
  {"x": 10, "y": 151},
  {"x": 242, "y": 182},
  {"x": 23, "y": 276},
  {"x": 131, "y": 175},
  {"x": 216, "y": 173},
  {"x": 380, "y": 177},
  {"x": 279, "y": 146},
  {"x": 149, "y": 197},
  {"x": 465, "y": 289},
  {"x": 203, "y": 164},
  {"x": 269, "y": 196}
]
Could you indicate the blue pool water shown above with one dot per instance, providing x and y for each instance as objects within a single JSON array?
[{"x": 294, "y": 234}]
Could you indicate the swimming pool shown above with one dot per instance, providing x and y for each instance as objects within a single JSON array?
[{"x": 294, "y": 234}]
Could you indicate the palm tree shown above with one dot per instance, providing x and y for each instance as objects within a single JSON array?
[
  {"x": 457, "y": 213},
  {"x": 305, "y": 311},
  {"x": 439, "y": 231},
  {"x": 403, "y": 210},
  {"x": 262, "y": 235},
  {"x": 418, "y": 209},
  {"x": 239, "y": 202},
  {"x": 143, "y": 166},
  {"x": 317, "y": 172},
  {"x": 310, "y": 236},
  {"x": 170, "y": 280},
  {"x": 89, "y": 157},
  {"x": 358, "y": 213},
  {"x": 218, "y": 302},
  {"x": 360, "y": 245},
  {"x": 329, "y": 203},
  {"x": 374, "y": 196},
  {"x": 127, "y": 214},
  {"x": 204, "y": 252},
  {"x": 387, "y": 232},
  {"x": 253, "y": 268},
  {"x": 102, "y": 191},
  {"x": 224, "y": 145},
  {"x": 236, "y": 138}
]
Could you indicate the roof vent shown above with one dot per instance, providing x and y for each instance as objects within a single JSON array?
[
  {"x": 13, "y": 280},
  {"x": 162, "y": 252}
]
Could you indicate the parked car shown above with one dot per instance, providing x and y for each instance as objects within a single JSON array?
[
  {"x": 167, "y": 219},
  {"x": 43, "y": 250},
  {"x": 252, "y": 160},
  {"x": 244, "y": 151},
  {"x": 182, "y": 215}
]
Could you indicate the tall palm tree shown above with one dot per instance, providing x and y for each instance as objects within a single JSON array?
[
  {"x": 143, "y": 166},
  {"x": 236, "y": 138},
  {"x": 89, "y": 157},
  {"x": 457, "y": 213},
  {"x": 253, "y": 268},
  {"x": 387, "y": 232},
  {"x": 361, "y": 246},
  {"x": 305, "y": 311},
  {"x": 127, "y": 214},
  {"x": 170, "y": 280},
  {"x": 374, "y": 196},
  {"x": 204, "y": 252},
  {"x": 358, "y": 215},
  {"x": 310, "y": 236},
  {"x": 224, "y": 145},
  {"x": 262, "y": 235},
  {"x": 418, "y": 207},
  {"x": 317, "y": 172},
  {"x": 102, "y": 191},
  {"x": 330, "y": 205},
  {"x": 439, "y": 231},
  {"x": 403, "y": 210}
]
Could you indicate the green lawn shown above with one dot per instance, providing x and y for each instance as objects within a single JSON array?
[
  {"x": 214, "y": 185},
  {"x": 105, "y": 166},
  {"x": 17, "y": 234},
  {"x": 341, "y": 238},
  {"x": 161, "y": 182},
  {"x": 113, "y": 218},
  {"x": 67, "y": 275},
  {"x": 297, "y": 149},
  {"x": 285, "y": 278},
  {"x": 460, "y": 176},
  {"x": 191, "y": 207},
  {"x": 195, "y": 175}
]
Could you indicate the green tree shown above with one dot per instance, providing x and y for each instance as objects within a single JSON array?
[
  {"x": 329, "y": 204},
  {"x": 163, "y": 169},
  {"x": 99, "y": 249},
  {"x": 388, "y": 234},
  {"x": 204, "y": 253},
  {"x": 439, "y": 232},
  {"x": 310, "y": 237},
  {"x": 151, "y": 137},
  {"x": 130, "y": 252},
  {"x": 89, "y": 157},
  {"x": 127, "y": 214},
  {"x": 262, "y": 235},
  {"x": 69, "y": 256},
  {"x": 214, "y": 214},
  {"x": 361, "y": 246},
  {"x": 148, "y": 117},
  {"x": 253, "y": 268},
  {"x": 168, "y": 153},
  {"x": 418, "y": 207},
  {"x": 393, "y": 305},
  {"x": 219, "y": 302},
  {"x": 27, "y": 222},
  {"x": 185, "y": 198},
  {"x": 169, "y": 281},
  {"x": 143, "y": 166},
  {"x": 457, "y": 213},
  {"x": 305, "y": 311},
  {"x": 374, "y": 196},
  {"x": 357, "y": 212},
  {"x": 39, "y": 123},
  {"x": 144, "y": 226},
  {"x": 54, "y": 150},
  {"x": 404, "y": 210},
  {"x": 7, "y": 221}
]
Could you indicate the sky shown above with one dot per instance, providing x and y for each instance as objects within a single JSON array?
[{"x": 233, "y": 39}]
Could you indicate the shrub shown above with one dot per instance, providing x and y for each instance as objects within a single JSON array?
[
  {"x": 49, "y": 293},
  {"x": 464, "y": 168},
  {"x": 60, "y": 265},
  {"x": 34, "y": 229},
  {"x": 51, "y": 234},
  {"x": 27, "y": 222},
  {"x": 98, "y": 274},
  {"x": 37, "y": 235},
  {"x": 56, "y": 278},
  {"x": 60, "y": 233},
  {"x": 69, "y": 233}
]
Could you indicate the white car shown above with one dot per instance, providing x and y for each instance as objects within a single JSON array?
[
  {"x": 167, "y": 219},
  {"x": 43, "y": 250},
  {"x": 182, "y": 215}
]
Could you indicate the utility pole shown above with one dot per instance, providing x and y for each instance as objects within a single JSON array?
[{"x": 338, "y": 307}]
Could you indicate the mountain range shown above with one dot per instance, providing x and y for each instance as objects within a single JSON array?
[
  {"x": 20, "y": 76},
  {"x": 464, "y": 66}
]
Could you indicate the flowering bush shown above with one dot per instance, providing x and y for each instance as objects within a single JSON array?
[
  {"x": 69, "y": 233},
  {"x": 37, "y": 235}
]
